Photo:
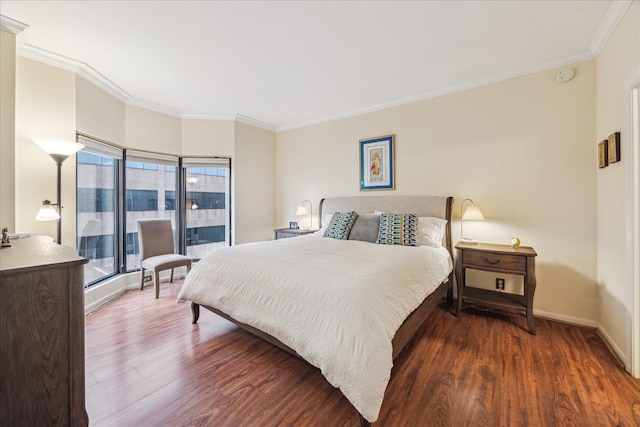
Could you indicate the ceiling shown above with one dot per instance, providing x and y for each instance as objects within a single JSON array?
[{"x": 287, "y": 64}]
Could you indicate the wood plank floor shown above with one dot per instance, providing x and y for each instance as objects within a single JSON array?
[{"x": 147, "y": 365}]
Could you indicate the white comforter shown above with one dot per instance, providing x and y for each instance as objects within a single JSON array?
[{"x": 338, "y": 303}]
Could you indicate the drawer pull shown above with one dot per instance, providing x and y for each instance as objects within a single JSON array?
[{"x": 492, "y": 262}]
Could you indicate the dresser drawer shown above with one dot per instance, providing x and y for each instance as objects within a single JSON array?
[{"x": 494, "y": 261}]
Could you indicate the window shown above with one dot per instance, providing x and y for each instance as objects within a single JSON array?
[
  {"x": 96, "y": 209},
  {"x": 149, "y": 178},
  {"x": 113, "y": 194},
  {"x": 207, "y": 199}
]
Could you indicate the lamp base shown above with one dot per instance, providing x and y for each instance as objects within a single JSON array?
[{"x": 468, "y": 241}]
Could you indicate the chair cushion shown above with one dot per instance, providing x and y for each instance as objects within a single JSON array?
[{"x": 165, "y": 262}]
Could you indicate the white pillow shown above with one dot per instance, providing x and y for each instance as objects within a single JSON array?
[
  {"x": 326, "y": 220},
  {"x": 431, "y": 231}
]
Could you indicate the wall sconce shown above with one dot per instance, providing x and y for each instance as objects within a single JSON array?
[
  {"x": 59, "y": 150},
  {"x": 302, "y": 210},
  {"x": 471, "y": 213}
]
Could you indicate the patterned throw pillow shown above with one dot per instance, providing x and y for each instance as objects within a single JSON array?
[
  {"x": 398, "y": 229},
  {"x": 340, "y": 225}
]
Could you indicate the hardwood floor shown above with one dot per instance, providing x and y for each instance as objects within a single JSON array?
[{"x": 147, "y": 365}]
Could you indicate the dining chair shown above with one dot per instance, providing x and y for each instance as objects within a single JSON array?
[{"x": 157, "y": 251}]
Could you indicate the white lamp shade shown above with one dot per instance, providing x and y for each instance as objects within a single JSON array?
[
  {"x": 302, "y": 210},
  {"x": 58, "y": 146},
  {"x": 472, "y": 213},
  {"x": 47, "y": 212}
]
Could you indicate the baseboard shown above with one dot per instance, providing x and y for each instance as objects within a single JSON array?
[
  {"x": 103, "y": 293},
  {"x": 566, "y": 319},
  {"x": 99, "y": 295},
  {"x": 613, "y": 348}
]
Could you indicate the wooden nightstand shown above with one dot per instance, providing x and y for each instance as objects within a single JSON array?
[
  {"x": 498, "y": 259},
  {"x": 285, "y": 233}
]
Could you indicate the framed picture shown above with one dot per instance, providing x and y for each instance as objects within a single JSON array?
[
  {"x": 376, "y": 163},
  {"x": 603, "y": 154},
  {"x": 293, "y": 225},
  {"x": 613, "y": 143}
]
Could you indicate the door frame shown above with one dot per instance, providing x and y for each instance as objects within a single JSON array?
[{"x": 632, "y": 178}]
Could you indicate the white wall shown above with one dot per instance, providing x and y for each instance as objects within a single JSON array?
[
  {"x": 619, "y": 59},
  {"x": 521, "y": 148}
]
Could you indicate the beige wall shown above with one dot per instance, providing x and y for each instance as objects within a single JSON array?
[
  {"x": 619, "y": 59},
  {"x": 152, "y": 131},
  {"x": 45, "y": 107},
  {"x": 99, "y": 114},
  {"x": 208, "y": 137},
  {"x": 7, "y": 130},
  {"x": 522, "y": 149},
  {"x": 254, "y": 195}
]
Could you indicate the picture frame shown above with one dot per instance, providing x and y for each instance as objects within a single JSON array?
[
  {"x": 603, "y": 154},
  {"x": 377, "y": 163},
  {"x": 613, "y": 145},
  {"x": 293, "y": 225}
]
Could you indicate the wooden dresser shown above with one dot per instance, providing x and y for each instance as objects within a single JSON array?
[{"x": 42, "y": 334}]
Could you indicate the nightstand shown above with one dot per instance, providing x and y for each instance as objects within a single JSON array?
[
  {"x": 497, "y": 259},
  {"x": 285, "y": 233}
]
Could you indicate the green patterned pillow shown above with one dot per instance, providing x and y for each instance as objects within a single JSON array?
[
  {"x": 398, "y": 229},
  {"x": 340, "y": 225}
]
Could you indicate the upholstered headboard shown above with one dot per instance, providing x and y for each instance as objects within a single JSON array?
[{"x": 434, "y": 206}]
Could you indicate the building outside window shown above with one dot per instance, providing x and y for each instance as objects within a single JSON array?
[
  {"x": 96, "y": 209},
  {"x": 207, "y": 199},
  {"x": 149, "y": 177}
]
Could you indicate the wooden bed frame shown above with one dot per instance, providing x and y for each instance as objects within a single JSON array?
[{"x": 414, "y": 324}]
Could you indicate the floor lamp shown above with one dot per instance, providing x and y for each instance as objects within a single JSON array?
[{"x": 59, "y": 150}]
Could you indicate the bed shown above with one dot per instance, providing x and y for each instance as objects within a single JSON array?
[{"x": 346, "y": 305}]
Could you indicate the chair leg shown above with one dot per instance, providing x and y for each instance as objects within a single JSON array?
[
  {"x": 141, "y": 278},
  {"x": 156, "y": 284},
  {"x": 171, "y": 279}
]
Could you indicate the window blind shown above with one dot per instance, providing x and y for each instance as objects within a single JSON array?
[{"x": 101, "y": 148}]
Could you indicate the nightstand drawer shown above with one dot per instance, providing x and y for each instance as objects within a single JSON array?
[{"x": 494, "y": 261}]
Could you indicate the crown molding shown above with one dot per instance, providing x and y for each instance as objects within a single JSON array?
[
  {"x": 11, "y": 25},
  {"x": 608, "y": 25},
  {"x": 238, "y": 118},
  {"x": 81, "y": 69},
  {"x": 212, "y": 117},
  {"x": 148, "y": 105},
  {"x": 255, "y": 123}
]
